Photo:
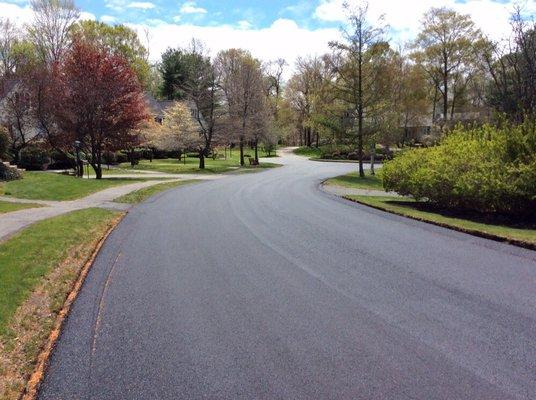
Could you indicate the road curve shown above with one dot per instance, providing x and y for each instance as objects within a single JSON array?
[{"x": 262, "y": 287}]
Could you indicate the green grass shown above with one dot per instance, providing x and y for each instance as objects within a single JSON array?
[
  {"x": 28, "y": 256},
  {"x": 49, "y": 186},
  {"x": 218, "y": 166},
  {"x": 308, "y": 152},
  {"x": 352, "y": 180},
  {"x": 519, "y": 231},
  {"x": 143, "y": 194},
  {"x": 6, "y": 207}
]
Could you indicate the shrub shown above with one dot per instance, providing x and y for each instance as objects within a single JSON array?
[
  {"x": 4, "y": 143},
  {"x": 9, "y": 173},
  {"x": 486, "y": 169},
  {"x": 34, "y": 158},
  {"x": 61, "y": 160}
]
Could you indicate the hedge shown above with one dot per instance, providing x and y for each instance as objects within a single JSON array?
[{"x": 485, "y": 169}]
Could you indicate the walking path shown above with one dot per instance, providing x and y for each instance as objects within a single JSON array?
[{"x": 12, "y": 222}]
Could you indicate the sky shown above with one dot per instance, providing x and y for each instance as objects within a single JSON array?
[{"x": 271, "y": 29}]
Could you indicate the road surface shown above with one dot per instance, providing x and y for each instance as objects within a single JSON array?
[{"x": 262, "y": 287}]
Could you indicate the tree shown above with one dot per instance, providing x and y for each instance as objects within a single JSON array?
[
  {"x": 242, "y": 83},
  {"x": 120, "y": 40},
  {"x": 445, "y": 48},
  {"x": 178, "y": 67},
  {"x": 353, "y": 62},
  {"x": 9, "y": 38},
  {"x": 99, "y": 101},
  {"x": 513, "y": 71},
  {"x": 178, "y": 131},
  {"x": 50, "y": 30},
  {"x": 199, "y": 84}
]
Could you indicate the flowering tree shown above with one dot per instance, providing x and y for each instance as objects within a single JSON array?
[
  {"x": 179, "y": 131},
  {"x": 99, "y": 101}
]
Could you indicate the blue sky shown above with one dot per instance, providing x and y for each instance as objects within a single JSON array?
[
  {"x": 270, "y": 29},
  {"x": 259, "y": 14}
]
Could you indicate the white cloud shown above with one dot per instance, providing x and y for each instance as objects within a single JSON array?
[
  {"x": 87, "y": 16},
  {"x": 244, "y": 24},
  {"x": 404, "y": 17},
  {"x": 21, "y": 15},
  {"x": 283, "y": 39},
  {"x": 190, "y": 7},
  {"x": 109, "y": 19},
  {"x": 18, "y": 14},
  {"x": 144, "y": 5}
]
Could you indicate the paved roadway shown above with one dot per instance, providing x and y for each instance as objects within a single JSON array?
[{"x": 262, "y": 287}]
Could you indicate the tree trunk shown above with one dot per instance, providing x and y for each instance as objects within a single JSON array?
[
  {"x": 445, "y": 92},
  {"x": 256, "y": 151},
  {"x": 372, "y": 158},
  {"x": 317, "y": 139},
  {"x": 242, "y": 163},
  {"x": 360, "y": 141},
  {"x": 202, "y": 159}
]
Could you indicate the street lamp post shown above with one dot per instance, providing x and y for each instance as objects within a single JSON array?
[{"x": 79, "y": 171}]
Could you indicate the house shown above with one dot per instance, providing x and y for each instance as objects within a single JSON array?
[{"x": 158, "y": 108}]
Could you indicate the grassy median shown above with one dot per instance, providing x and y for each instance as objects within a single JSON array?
[
  {"x": 50, "y": 186},
  {"x": 519, "y": 232},
  {"x": 354, "y": 181},
  {"x": 38, "y": 268},
  {"x": 143, "y": 194},
  {"x": 6, "y": 206}
]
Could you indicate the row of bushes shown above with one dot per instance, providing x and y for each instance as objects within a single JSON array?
[
  {"x": 485, "y": 169},
  {"x": 38, "y": 158},
  {"x": 342, "y": 152}
]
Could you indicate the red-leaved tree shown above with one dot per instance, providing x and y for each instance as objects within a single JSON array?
[{"x": 99, "y": 101}]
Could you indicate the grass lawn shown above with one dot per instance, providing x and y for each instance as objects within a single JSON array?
[
  {"x": 6, "y": 207},
  {"x": 353, "y": 180},
  {"x": 50, "y": 186},
  {"x": 218, "y": 166},
  {"x": 143, "y": 194},
  {"x": 38, "y": 268},
  {"x": 311, "y": 152},
  {"x": 470, "y": 223}
]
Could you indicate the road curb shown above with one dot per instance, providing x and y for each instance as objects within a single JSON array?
[
  {"x": 484, "y": 235},
  {"x": 32, "y": 387}
]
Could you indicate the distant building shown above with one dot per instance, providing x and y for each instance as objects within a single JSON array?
[{"x": 158, "y": 108}]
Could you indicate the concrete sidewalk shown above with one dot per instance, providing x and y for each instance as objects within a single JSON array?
[{"x": 13, "y": 222}]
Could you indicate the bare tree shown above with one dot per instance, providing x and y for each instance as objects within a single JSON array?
[
  {"x": 242, "y": 84},
  {"x": 353, "y": 63},
  {"x": 50, "y": 28},
  {"x": 513, "y": 70},
  {"x": 9, "y": 37}
]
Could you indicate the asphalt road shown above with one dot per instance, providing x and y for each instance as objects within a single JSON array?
[{"x": 262, "y": 287}]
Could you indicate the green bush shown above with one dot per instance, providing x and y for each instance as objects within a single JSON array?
[
  {"x": 4, "y": 143},
  {"x": 486, "y": 169},
  {"x": 34, "y": 158}
]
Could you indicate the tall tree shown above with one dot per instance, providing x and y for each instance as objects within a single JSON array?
[
  {"x": 243, "y": 85},
  {"x": 513, "y": 71},
  {"x": 445, "y": 48},
  {"x": 190, "y": 74},
  {"x": 50, "y": 30},
  {"x": 354, "y": 58},
  {"x": 118, "y": 39},
  {"x": 10, "y": 36},
  {"x": 99, "y": 101}
]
